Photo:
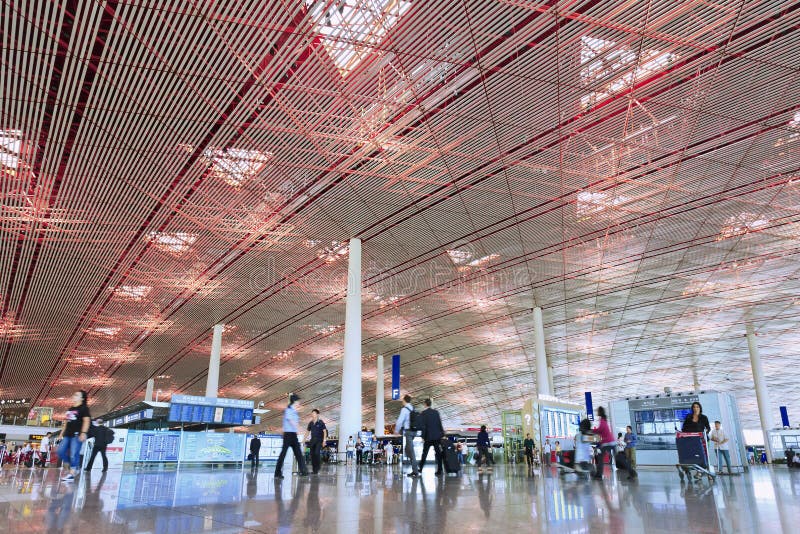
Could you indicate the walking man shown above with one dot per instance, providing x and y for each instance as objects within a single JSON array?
[
  {"x": 529, "y": 446},
  {"x": 432, "y": 433},
  {"x": 319, "y": 434},
  {"x": 722, "y": 445},
  {"x": 404, "y": 426},
  {"x": 102, "y": 437},
  {"x": 255, "y": 448},
  {"x": 291, "y": 422}
]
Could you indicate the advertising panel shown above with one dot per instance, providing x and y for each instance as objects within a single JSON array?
[
  {"x": 270, "y": 446},
  {"x": 212, "y": 447},
  {"x": 115, "y": 451}
]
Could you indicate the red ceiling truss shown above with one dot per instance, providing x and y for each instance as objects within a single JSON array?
[{"x": 631, "y": 167}]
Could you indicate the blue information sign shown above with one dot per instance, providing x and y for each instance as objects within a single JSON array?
[
  {"x": 396, "y": 377},
  {"x": 589, "y": 408}
]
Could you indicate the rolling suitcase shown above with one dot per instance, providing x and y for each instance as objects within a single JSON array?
[
  {"x": 621, "y": 460},
  {"x": 451, "y": 463}
]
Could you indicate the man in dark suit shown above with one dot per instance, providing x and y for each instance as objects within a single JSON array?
[
  {"x": 432, "y": 434},
  {"x": 255, "y": 448},
  {"x": 102, "y": 437}
]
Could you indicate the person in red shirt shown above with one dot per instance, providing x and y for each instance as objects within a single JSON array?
[{"x": 608, "y": 442}]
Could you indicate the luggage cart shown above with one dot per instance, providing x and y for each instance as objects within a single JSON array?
[{"x": 692, "y": 456}]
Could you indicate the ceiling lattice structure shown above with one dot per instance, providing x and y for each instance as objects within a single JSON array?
[{"x": 631, "y": 167}]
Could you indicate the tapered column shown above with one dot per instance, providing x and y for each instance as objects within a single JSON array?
[
  {"x": 380, "y": 379},
  {"x": 762, "y": 396},
  {"x": 542, "y": 375},
  {"x": 350, "y": 417},
  {"x": 212, "y": 384},
  {"x": 148, "y": 392}
]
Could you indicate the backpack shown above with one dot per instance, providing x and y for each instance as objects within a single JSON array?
[
  {"x": 109, "y": 436},
  {"x": 414, "y": 420}
]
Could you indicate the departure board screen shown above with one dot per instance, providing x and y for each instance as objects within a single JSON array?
[{"x": 152, "y": 446}]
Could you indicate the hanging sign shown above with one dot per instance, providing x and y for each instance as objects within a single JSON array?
[
  {"x": 396, "y": 377},
  {"x": 589, "y": 407}
]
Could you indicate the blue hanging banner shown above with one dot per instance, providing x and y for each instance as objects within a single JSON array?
[
  {"x": 396, "y": 377},
  {"x": 784, "y": 416},
  {"x": 589, "y": 407}
]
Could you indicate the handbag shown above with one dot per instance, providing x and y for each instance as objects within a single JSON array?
[{"x": 250, "y": 456}]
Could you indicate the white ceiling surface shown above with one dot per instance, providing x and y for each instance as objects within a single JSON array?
[{"x": 631, "y": 167}]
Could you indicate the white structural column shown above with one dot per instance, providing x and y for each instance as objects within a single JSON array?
[
  {"x": 380, "y": 380},
  {"x": 350, "y": 417},
  {"x": 212, "y": 384},
  {"x": 762, "y": 397},
  {"x": 542, "y": 374},
  {"x": 148, "y": 393},
  {"x": 550, "y": 380}
]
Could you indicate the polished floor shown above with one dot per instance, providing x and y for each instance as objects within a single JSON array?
[{"x": 348, "y": 499}]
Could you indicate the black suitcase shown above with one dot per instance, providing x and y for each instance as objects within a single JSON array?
[
  {"x": 621, "y": 460},
  {"x": 451, "y": 463}
]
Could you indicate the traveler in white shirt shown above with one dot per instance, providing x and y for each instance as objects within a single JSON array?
[
  {"x": 722, "y": 446},
  {"x": 403, "y": 426},
  {"x": 44, "y": 448}
]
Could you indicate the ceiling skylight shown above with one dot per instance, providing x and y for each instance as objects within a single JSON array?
[
  {"x": 107, "y": 331},
  {"x": 133, "y": 292},
  {"x": 459, "y": 257},
  {"x": 351, "y": 29},
  {"x": 617, "y": 67},
  {"x": 173, "y": 242},
  {"x": 10, "y": 148},
  {"x": 742, "y": 224},
  {"x": 592, "y": 203},
  {"x": 333, "y": 252},
  {"x": 234, "y": 166}
]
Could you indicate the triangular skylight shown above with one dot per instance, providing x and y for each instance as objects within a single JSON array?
[
  {"x": 10, "y": 148},
  {"x": 351, "y": 29},
  {"x": 618, "y": 67}
]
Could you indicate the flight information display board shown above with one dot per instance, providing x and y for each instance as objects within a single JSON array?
[
  {"x": 209, "y": 410},
  {"x": 144, "y": 446},
  {"x": 212, "y": 447}
]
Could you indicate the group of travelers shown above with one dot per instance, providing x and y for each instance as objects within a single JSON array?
[
  {"x": 598, "y": 441},
  {"x": 318, "y": 434},
  {"x": 429, "y": 423}
]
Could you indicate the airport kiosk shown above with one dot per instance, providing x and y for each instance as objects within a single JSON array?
[
  {"x": 546, "y": 417},
  {"x": 656, "y": 419}
]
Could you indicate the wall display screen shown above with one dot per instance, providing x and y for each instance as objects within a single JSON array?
[
  {"x": 188, "y": 413},
  {"x": 560, "y": 424},
  {"x": 152, "y": 446},
  {"x": 212, "y": 447},
  {"x": 657, "y": 420}
]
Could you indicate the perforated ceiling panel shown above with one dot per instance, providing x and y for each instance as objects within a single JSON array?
[{"x": 631, "y": 167}]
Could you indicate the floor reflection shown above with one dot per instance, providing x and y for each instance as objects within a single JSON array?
[{"x": 376, "y": 499}]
